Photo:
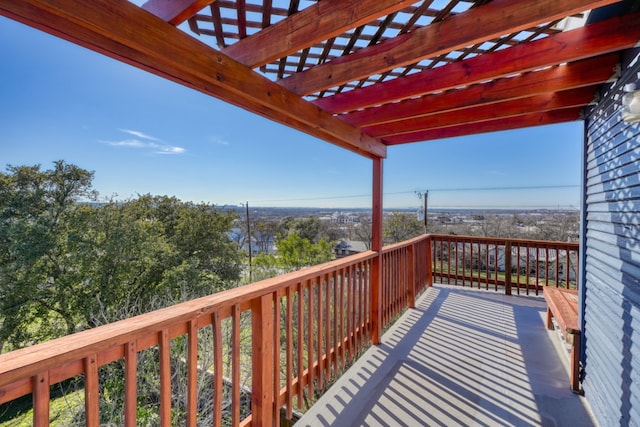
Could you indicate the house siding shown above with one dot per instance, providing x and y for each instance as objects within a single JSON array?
[{"x": 611, "y": 226}]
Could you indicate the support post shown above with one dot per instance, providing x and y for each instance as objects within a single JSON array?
[
  {"x": 411, "y": 268},
  {"x": 376, "y": 245},
  {"x": 507, "y": 268},
  {"x": 429, "y": 261}
]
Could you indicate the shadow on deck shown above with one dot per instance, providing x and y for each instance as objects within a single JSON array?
[{"x": 461, "y": 357}]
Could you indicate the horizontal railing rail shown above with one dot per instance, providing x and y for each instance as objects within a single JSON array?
[
  {"x": 283, "y": 339},
  {"x": 513, "y": 264}
]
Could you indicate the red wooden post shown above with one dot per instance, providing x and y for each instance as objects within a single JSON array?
[
  {"x": 376, "y": 245},
  {"x": 411, "y": 268},
  {"x": 507, "y": 268},
  {"x": 41, "y": 399},
  {"x": 192, "y": 373},
  {"x": 429, "y": 261},
  {"x": 131, "y": 385},
  {"x": 91, "y": 399},
  {"x": 262, "y": 401}
]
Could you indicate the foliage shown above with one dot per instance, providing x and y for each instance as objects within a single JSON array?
[
  {"x": 63, "y": 406},
  {"x": 67, "y": 266},
  {"x": 400, "y": 226},
  {"x": 294, "y": 253},
  {"x": 362, "y": 231}
]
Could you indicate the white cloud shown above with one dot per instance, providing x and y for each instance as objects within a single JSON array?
[
  {"x": 139, "y": 134},
  {"x": 145, "y": 142},
  {"x": 169, "y": 149},
  {"x": 219, "y": 140},
  {"x": 127, "y": 143}
]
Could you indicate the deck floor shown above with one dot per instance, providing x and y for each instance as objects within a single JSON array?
[{"x": 461, "y": 357}]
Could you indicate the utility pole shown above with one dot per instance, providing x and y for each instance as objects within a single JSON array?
[{"x": 425, "y": 197}]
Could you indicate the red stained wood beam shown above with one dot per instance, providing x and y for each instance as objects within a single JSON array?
[
  {"x": 175, "y": 12},
  {"x": 316, "y": 23},
  {"x": 121, "y": 30},
  {"x": 518, "y": 122},
  {"x": 476, "y": 25},
  {"x": 500, "y": 110},
  {"x": 574, "y": 75},
  {"x": 592, "y": 40}
]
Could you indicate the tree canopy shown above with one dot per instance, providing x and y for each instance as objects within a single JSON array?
[{"x": 68, "y": 263}]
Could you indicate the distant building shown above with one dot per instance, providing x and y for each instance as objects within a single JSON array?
[{"x": 347, "y": 247}]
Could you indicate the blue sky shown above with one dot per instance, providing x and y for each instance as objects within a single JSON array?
[{"x": 142, "y": 134}]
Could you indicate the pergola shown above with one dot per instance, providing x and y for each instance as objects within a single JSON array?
[{"x": 369, "y": 74}]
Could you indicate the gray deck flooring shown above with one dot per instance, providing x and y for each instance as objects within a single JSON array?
[{"x": 461, "y": 357}]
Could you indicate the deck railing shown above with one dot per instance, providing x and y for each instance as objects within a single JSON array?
[
  {"x": 517, "y": 265},
  {"x": 279, "y": 340}
]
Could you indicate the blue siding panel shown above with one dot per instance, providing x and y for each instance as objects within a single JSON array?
[{"x": 611, "y": 318}]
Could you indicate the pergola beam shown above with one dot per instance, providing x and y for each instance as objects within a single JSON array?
[
  {"x": 592, "y": 40},
  {"x": 123, "y": 31},
  {"x": 476, "y": 25},
  {"x": 510, "y": 123},
  {"x": 534, "y": 104},
  {"x": 316, "y": 23},
  {"x": 587, "y": 72}
]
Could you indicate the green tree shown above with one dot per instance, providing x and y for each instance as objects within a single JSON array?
[
  {"x": 37, "y": 292},
  {"x": 314, "y": 230},
  {"x": 400, "y": 226},
  {"x": 67, "y": 266},
  {"x": 294, "y": 253}
]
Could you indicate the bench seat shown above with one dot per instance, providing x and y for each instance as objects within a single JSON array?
[{"x": 562, "y": 305}]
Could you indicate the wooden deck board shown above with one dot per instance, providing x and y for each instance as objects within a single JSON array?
[{"x": 461, "y": 357}]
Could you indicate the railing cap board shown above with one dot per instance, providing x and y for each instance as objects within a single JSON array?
[{"x": 502, "y": 241}]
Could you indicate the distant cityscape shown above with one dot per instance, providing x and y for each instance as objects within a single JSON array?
[{"x": 351, "y": 227}]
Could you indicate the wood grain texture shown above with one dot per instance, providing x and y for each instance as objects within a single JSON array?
[
  {"x": 321, "y": 21},
  {"x": 584, "y": 42},
  {"x": 468, "y": 28},
  {"x": 127, "y": 33}
]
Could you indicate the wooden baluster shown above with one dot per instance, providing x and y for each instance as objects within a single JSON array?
[
  {"x": 262, "y": 373},
  {"x": 91, "y": 395},
  {"x": 300, "y": 354},
  {"x": 311, "y": 335},
  {"x": 218, "y": 375},
  {"x": 256, "y": 354},
  {"x": 41, "y": 399},
  {"x": 131, "y": 385},
  {"x": 276, "y": 357},
  {"x": 320, "y": 333},
  {"x": 289, "y": 369},
  {"x": 192, "y": 373}
]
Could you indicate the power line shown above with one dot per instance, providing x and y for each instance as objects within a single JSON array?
[{"x": 394, "y": 193}]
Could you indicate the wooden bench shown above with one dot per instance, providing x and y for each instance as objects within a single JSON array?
[{"x": 562, "y": 304}]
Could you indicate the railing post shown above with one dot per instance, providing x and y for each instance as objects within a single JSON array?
[
  {"x": 507, "y": 268},
  {"x": 429, "y": 262},
  {"x": 376, "y": 245},
  {"x": 262, "y": 354},
  {"x": 411, "y": 268}
]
